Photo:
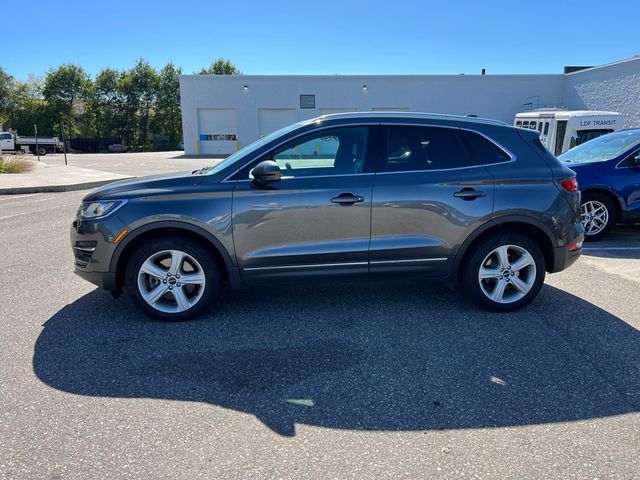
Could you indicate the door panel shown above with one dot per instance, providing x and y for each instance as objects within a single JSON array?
[
  {"x": 423, "y": 212},
  {"x": 292, "y": 228},
  {"x": 418, "y": 223},
  {"x": 631, "y": 191},
  {"x": 317, "y": 219}
]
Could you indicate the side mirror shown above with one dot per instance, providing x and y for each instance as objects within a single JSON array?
[
  {"x": 266, "y": 172},
  {"x": 636, "y": 159}
]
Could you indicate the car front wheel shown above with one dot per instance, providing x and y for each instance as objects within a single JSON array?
[
  {"x": 172, "y": 279},
  {"x": 505, "y": 272}
]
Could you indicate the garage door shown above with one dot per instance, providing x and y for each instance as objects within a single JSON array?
[
  {"x": 217, "y": 130},
  {"x": 272, "y": 119}
]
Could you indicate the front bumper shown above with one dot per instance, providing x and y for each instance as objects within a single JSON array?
[
  {"x": 93, "y": 248},
  {"x": 106, "y": 280}
]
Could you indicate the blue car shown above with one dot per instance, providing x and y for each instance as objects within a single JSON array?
[{"x": 608, "y": 169}]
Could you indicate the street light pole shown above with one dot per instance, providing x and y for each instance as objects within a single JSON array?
[
  {"x": 35, "y": 133},
  {"x": 64, "y": 142}
]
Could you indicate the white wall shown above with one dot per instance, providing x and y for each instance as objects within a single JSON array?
[
  {"x": 493, "y": 96},
  {"x": 613, "y": 87},
  {"x": 269, "y": 102}
]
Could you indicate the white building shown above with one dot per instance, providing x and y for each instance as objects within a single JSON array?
[{"x": 222, "y": 113}]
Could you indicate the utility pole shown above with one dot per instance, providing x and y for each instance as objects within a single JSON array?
[
  {"x": 64, "y": 142},
  {"x": 35, "y": 133}
]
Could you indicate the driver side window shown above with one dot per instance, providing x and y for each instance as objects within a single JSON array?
[
  {"x": 630, "y": 161},
  {"x": 339, "y": 151}
]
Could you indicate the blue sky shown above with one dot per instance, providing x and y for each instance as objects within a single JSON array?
[{"x": 320, "y": 37}]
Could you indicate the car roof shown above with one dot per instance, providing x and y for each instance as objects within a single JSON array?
[{"x": 410, "y": 116}]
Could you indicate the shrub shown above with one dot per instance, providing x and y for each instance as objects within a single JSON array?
[{"x": 15, "y": 164}]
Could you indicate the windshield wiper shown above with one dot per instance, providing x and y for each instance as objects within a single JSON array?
[{"x": 200, "y": 171}]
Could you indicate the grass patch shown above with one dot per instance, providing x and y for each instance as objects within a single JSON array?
[{"x": 15, "y": 164}]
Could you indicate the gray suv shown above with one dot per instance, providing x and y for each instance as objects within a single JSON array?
[{"x": 473, "y": 202}]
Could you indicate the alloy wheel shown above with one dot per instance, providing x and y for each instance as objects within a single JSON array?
[
  {"x": 594, "y": 217},
  {"x": 171, "y": 281},
  {"x": 507, "y": 274}
]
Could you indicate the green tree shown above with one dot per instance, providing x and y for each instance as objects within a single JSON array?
[
  {"x": 167, "y": 119},
  {"x": 7, "y": 85},
  {"x": 107, "y": 104},
  {"x": 138, "y": 86},
  {"x": 66, "y": 90},
  {"x": 220, "y": 67},
  {"x": 27, "y": 107}
]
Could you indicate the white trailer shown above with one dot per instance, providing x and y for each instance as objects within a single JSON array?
[
  {"x": 561, "y": 130},
  {"x": 12, "y": 142}
]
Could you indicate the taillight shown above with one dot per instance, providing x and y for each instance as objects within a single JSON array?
[
  {"x": 572, "y": 247},
  {"x": 569, "y": 184}
]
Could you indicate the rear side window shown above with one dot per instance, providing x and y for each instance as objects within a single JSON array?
[
  {"x": 482, "y": 150},
  {"x": 412, "y": 148}
]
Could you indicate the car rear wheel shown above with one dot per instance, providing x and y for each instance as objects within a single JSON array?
[
  {"x": 504, "y": 273},
  {"x": 172, "y": 279},
  {"x": 598, "y": 216}
]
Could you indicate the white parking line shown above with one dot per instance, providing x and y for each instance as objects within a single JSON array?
[
  {"x": 598, "y": 249},
  {"x": 11, "y": 216},
  {"x": 14, "y": 197}
]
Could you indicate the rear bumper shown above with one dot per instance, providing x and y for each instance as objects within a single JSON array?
[{"x": 563, "y": 258}]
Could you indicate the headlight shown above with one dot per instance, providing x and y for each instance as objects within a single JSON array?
[{"x": 99, "y": 208}]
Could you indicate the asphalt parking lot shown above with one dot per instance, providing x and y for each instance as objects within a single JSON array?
[
  {"x": 134, "y": 164},
  {"x": 394, "y": 379}
]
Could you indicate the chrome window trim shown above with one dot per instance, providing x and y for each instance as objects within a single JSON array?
[
  {"x": 512, "y": 156},
  {"x": 318, "y": 176},
  {"x": 618, "y": 167}
]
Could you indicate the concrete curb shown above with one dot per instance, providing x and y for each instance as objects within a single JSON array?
[{"x": 57, "y": 188}]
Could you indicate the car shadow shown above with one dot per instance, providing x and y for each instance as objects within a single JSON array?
[{"x": 380, "y": 356}]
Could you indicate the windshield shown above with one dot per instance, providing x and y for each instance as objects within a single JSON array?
[
  {"x": 602, "y": 148},
  {"x": 252, "y": 147},
  {"x": 583, "y": 136}
]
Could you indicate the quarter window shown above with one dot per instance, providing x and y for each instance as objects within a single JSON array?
[
  {"x": 412, "y": 148},
  {"x": 482, "y": 150}
]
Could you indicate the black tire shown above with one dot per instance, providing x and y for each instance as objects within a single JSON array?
[
  {"x": 194, "y": 251},
  {"x": 597, "y": 200},
  {"x": 513, "y": 298},
  {"x": 43, "y": 151}
]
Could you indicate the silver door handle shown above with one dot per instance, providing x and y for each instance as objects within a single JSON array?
[{"x": 347, "y": 199}]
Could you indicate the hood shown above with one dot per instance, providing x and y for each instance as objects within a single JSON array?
[{"x": 142, "y": 186}]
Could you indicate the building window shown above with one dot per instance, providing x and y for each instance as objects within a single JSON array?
[
  {"x": 307, "y": 101},
  {"x": 218, "y": 137}
]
